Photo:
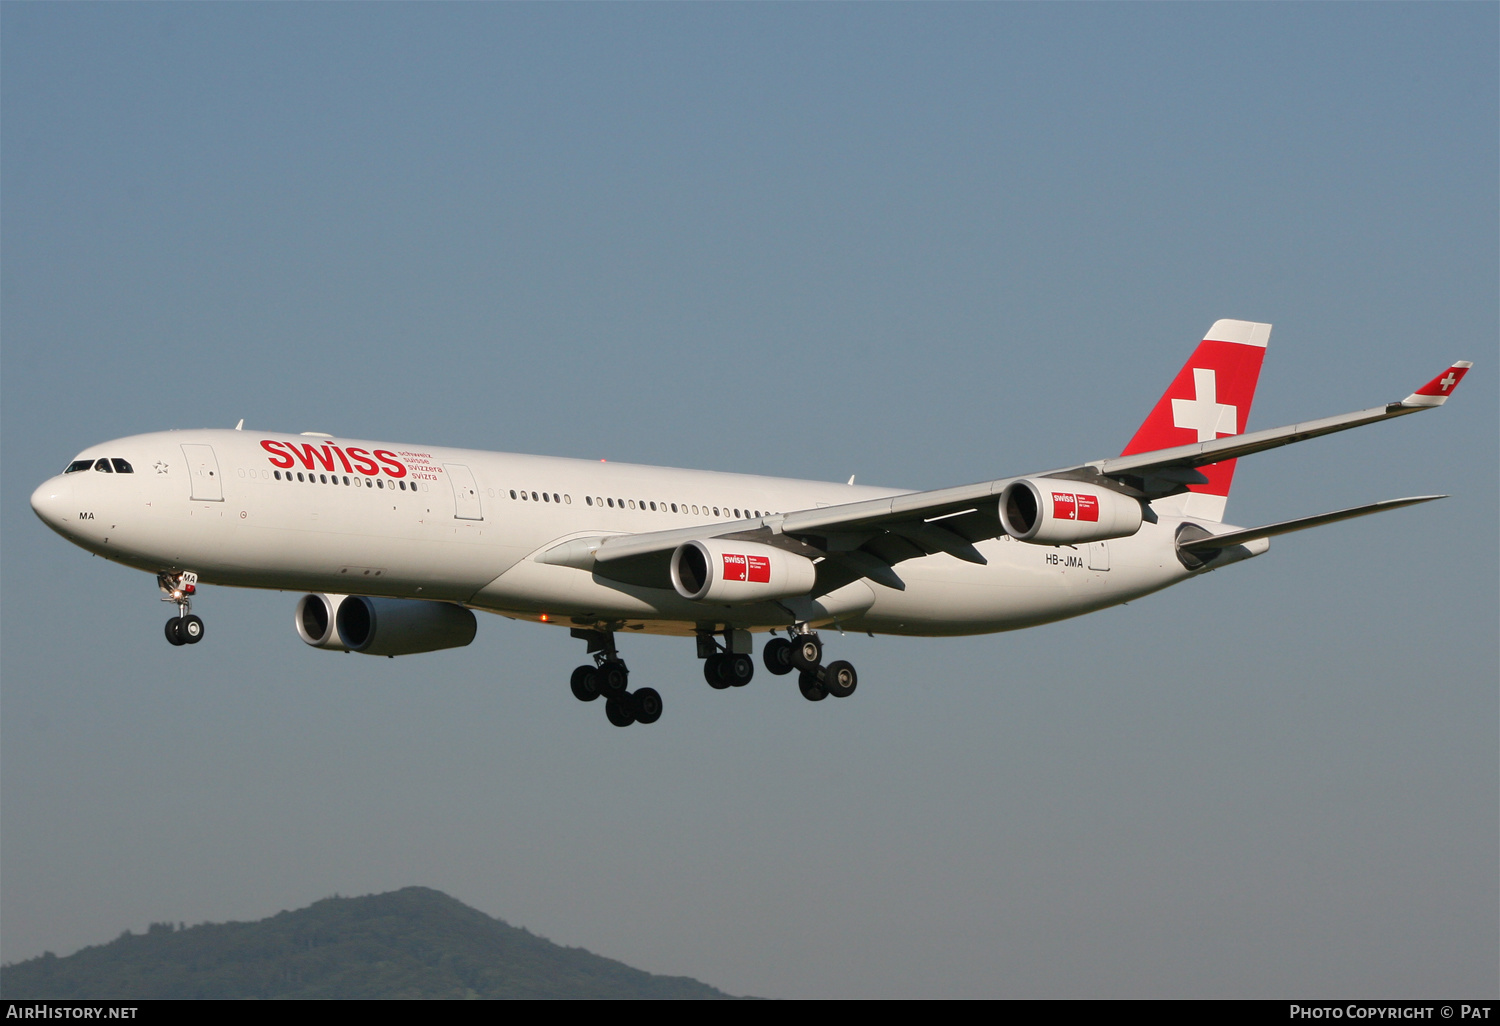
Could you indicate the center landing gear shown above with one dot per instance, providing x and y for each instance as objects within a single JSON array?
[
  {"x": 610, "y": 678},
  {"x": 179, "y": 588},
  {"x": 803, "y": 652},
  {"x": 726, "y": 664}
]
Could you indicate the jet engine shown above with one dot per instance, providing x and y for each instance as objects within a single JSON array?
[
  {"x": 316, "y": 621},
  {"x": 389, "y": 626},
  {"x": 721, "y": 570},
  {"x": 382, "y": 626},
  {"x": 1057, "y": 512}
]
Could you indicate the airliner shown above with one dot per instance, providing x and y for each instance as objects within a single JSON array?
[{"x": 396, "y": 545}]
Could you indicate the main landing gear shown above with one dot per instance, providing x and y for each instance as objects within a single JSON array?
[
  {"x": 803, "y": 651},
  {"x": 609, "y": 678},
  {"x": 727, "y": 663},
  {"x": 179, "y": 588}
]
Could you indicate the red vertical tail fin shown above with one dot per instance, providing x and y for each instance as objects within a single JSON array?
[{"x": 1209, "y": 398}]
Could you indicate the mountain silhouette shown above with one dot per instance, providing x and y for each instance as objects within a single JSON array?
[{"x": 411, "y": 943}]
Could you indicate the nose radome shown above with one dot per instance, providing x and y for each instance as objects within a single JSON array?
[{"x": 52, "y": 501}]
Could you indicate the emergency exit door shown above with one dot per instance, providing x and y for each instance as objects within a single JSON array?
[
  {"x": 465, "y": 492},
  {"x": 203, "y": 473}
]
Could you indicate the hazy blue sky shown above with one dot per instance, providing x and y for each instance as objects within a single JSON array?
[{"x": 924, "y": 244}]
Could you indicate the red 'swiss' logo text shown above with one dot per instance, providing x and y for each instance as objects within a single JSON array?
[
  {"x": 1067, "y": 506},
  {"x": 330, "y": 457},
  {"x": 751, "y": 569}
]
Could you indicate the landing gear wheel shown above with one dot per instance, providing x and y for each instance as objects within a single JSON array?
[
  {"x": 738, "y": 669},
  {"x": 807, "y": 652},
  {"x": 811, "y": 687},
  {"x": 716, "y": 671},
  {"x": 840, "y": 679},
  {"x": 191, "y": 629},
  {"x": 613, "y": 679},
  {"x": 585, "y": 683},
  {"x": 777, "y": 656},
  {"x": 620, "y": 710},
  {"x": 646, "y": 704},
  {"x": 174, "y": 631}
]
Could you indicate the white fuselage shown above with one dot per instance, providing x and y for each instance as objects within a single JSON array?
[{"x": 452, "y": 525}]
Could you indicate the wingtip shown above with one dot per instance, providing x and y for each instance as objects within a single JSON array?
[{"x": 1437, "y": 391}]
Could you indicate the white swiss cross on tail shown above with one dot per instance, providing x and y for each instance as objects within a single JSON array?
[
  {"x": 1204, "y": 413},
  {"x": 1209, "y": 398}
]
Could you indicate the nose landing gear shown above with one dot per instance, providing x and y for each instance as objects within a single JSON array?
[{"x": 179, "y": 588}]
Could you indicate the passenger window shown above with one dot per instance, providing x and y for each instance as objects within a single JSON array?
[
  {"x": 121, "y": 467},
  {"x": 512, "y": 493},
  {"x": 380, "y": 483},
  {"x": 346, "y": 480},
  {"x": 277, "y": 473},
  {"x": 567, "y": 499},
  {"x": 103, "y": 464},
  {"x": 546, "y": 497}
]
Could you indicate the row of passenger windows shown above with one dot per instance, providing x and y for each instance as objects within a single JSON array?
[
  {"x": 334, "y": 479},
  {"x": 118, "y": 466},
  {"x": 110, "y": 466},
  {"x": 656, "y": 507}
]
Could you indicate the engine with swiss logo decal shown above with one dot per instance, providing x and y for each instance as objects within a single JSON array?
[{"x": 1057, "y": 512}]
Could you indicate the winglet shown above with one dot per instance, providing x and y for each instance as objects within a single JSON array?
[{"x": 1437, "y": 391}]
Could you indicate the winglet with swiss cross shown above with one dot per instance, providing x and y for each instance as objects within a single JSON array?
[{"x": 1437, "y": 391}]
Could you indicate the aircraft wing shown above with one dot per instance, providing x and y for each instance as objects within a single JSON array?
[{"x": 870, "y": 537}]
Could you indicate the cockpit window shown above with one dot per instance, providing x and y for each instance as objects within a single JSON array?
[
  {"x": 103, "y": 464},
  {"x": 121, "y": 467},
  {"x": 78, "y": 465}
]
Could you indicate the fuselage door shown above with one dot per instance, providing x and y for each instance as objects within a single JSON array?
[
  {"x": 1099, "y": 555},
  {"x": 203, "y": 472},
  {"x": 465, "y": 492}
]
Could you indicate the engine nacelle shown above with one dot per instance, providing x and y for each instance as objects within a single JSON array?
[
  {"x": 382, "y": 626},
  {"x": 1046, "y": 511},
  {"x": 316, "y": 619},
  {"x": 720, "y": 570},
  {"x": 391, "y": 627}
]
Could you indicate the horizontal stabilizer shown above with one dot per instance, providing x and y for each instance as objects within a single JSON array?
[{"x": 1224, "y": 541}]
